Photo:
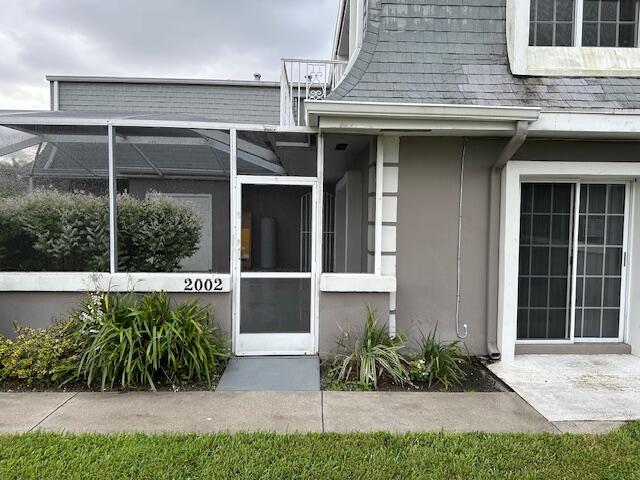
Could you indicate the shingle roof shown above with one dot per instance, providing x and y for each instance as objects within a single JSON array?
[{"x": 454, "y": 51}]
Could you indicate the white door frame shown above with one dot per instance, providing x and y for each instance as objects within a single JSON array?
[
  {"x": 513, "y": 174},
  {"x": 274, "y": 343}
]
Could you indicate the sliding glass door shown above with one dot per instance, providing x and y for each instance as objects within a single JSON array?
[{"x": 572, "y": 261}]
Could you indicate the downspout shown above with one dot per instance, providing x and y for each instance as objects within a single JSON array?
[{"x": 518, "y": 138}]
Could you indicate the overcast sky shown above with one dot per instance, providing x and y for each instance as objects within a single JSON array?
[{"x": 220, "y": 39}]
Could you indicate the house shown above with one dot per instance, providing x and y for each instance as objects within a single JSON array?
[{"x": 465, "y": 163}]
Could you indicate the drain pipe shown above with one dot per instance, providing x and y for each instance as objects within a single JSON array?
[
  {"x": 459, "y": 258},
  {"x": 520, "y": 135}
]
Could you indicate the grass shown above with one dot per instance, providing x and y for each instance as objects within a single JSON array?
[{"x": 323, "y": 456}]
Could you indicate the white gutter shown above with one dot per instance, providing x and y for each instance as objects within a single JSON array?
[
  {"x": 182, "y": 81},
  {"x": 591, "y": 125},
  {"x": 415, "y": 111}
]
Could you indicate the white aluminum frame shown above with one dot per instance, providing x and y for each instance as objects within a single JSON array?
[
  {"x": 275, "y": 343},
  {"x": 513, "y": 175}
]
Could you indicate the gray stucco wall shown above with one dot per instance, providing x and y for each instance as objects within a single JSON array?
[
  {"x": 224, "y": 103},
  {"x": 39, "y": 309},
  {"x": 429, "y": 182},
  {"x": 342, "y": 312}
]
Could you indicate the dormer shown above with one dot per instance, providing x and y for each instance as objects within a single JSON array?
[
  {"x": 595, "y": 38},
  {"x": 349, "y": 31}
]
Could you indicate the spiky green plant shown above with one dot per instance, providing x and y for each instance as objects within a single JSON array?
[
  {"x": 439, "y": 362},
  {"x": 136, "y": 341},
  {"x": 373, "y": 354}
]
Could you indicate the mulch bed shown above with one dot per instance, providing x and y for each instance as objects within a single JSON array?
[{"x": 479, "y": 379}]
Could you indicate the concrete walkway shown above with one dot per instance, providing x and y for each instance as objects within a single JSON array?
[
  {"x": 577, "y": 391},
  {"x": 203, "y": 412}
]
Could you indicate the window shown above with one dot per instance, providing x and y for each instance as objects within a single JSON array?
[
  {"x": 605, "y": 23},
  {"x": 610, "y": 23},
  {"x": 172, "y": 206},
  {"x": 551, "y": 22},
  {"x": 550, "y": 233},
  {"x": 54, "y": 209}
]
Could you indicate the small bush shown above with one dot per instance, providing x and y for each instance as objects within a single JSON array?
[
  {"x": 439, "y": 362},
  {"x": 136, "y": 341},
  {"x": 51, "y": 231},
  {"x": 370, "y": 356},
  {"x": 41, "y": 357}
]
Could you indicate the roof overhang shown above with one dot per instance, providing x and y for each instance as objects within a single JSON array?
[
  {"x": 617, "y": 125},
  {"x": 162, "y": 81},
  {"x": 416, "y": 118}
]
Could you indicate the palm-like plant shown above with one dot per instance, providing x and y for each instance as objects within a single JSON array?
[
  {"x": 441, "y": 362},
  {"x": 371, "y": 355}
]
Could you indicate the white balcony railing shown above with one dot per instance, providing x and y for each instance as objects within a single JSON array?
[{"x": 302, "y": 80}]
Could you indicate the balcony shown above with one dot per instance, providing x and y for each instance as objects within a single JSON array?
[{"x": 302, "y": 80}]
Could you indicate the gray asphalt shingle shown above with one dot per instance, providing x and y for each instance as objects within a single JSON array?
[{"x": 454, "y": 51}]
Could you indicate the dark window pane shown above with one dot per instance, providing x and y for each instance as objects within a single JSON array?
[
  {"x": 578, "y": 323},
  {"x": 591, "y": 323},
  {"x": 581, "y": 225},
  {"x": 627, "y": 35},
  {"x": 562, "y": 198},
  {"x": 560, "y": 230},
  {"x": 525, "y": 196},
  {"x": 538, "y": 292},
  {"x": 523, "y": 315},
  {"x": 564, "y": 10},
  {"x": 595, "y": 229},
  {"x": 524, "y": 261},
  {"x": 544, "y": 34},
  {"x": 615, "y": 229},
  {"x": 558, "y": 292},
  {"x": 541, "y": 229},
  {"x": 564, "y": 35},
  {"x": 523, "y": 291},
  {"x": 579, "y": 291},
  {"x": 594, "y": 260},
  {"x": 607, "y": 34},
  {"x": 592, "y": 292},
  {"x": 525, "y": 229},
  {"x": 591, "y": 10},
  {"x": 557, "y": 323},
  {"x": 609, "y": 10},
  {"x": 580, "y": 261},
  {"x": 611, "y": 292},
  {"x": 613, "y": 261},
  {"x": 541, "y": 197},
  {"x": 597, "y": 198},
  {"x": 545, "y": 10},
  {"x": 610, "y": 323},
  {"x": 532, "y": 37},
  {"x": 532, "y": 9},
  {"x": 628, "y": 10},
  {"x": 616, "y": 199},
  {"x": 539, "y": 261},
  {"x": 559, "y": 261},
  {"x": 538, "y": 324},
  {"x": 589, "y": 39}
]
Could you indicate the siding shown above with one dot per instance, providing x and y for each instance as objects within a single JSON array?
[{"x": 223, "y": 103}]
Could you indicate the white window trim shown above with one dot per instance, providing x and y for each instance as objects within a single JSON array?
[
  {"x": 563, "y": 61},
  {"x": 512, "y": 176},
  {"x": 357, "y": 282}
]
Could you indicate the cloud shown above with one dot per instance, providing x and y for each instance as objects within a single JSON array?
[{"x": 219, "y": 39}]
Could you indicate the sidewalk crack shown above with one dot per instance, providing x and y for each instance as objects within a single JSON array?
[{"x": 52, "y": 412}]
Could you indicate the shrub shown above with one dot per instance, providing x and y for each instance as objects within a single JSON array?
[
  {"x": 135, "y": 341},
  {"x": 51, "y": 231},
  {"x": 370, "y": 356},
  {"x": 439, "y": 361},
  {"x": 41, "y": 357}
]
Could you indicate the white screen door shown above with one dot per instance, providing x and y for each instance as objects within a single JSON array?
[{"x": 275, "y": 299}]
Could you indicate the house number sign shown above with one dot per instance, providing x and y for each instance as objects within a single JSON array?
[{"x": 203, "y": 285}]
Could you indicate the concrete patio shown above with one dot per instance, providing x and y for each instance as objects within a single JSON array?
[
  {"x": 283, "y": 412},
  {"x": 577, "y": 391}
]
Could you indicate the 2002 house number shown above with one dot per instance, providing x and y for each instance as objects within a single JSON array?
[{"x": 200, "y": 285}]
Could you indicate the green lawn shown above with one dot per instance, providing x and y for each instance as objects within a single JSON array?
[{"x": 322, "y": 456}]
